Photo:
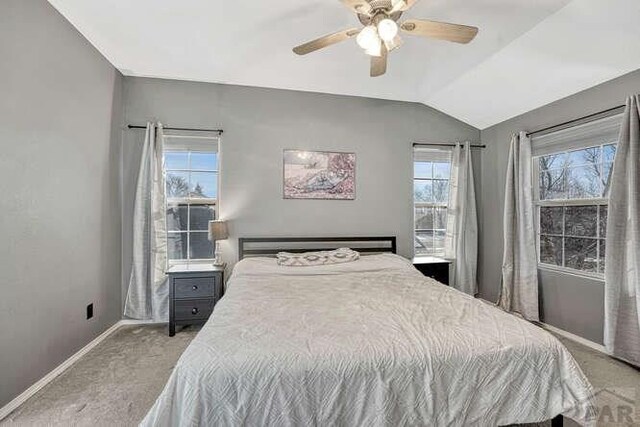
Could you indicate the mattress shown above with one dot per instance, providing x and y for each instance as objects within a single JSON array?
[{"x": 366, "y": 343}]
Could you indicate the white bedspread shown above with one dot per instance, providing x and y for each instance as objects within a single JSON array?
[{"x": 368, "y": 343}]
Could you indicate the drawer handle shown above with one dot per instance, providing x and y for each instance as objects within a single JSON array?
[
  {"x": 194, "y": 287},
  {"x": 194, "y": 310}
]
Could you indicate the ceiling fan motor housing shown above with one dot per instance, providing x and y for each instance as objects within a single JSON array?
[{"x": 379, "y": 11}]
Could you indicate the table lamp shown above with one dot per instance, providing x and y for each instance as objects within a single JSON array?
[{"x": 218, "y": 231}]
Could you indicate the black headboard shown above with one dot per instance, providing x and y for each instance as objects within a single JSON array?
[{"x": 270, "y": 246}]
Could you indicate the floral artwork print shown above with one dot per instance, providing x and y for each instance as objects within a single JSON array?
[{"x": 319, "y": 175}]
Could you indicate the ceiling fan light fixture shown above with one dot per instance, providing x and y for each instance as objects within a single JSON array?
[
  {"x": 387, "y": 29},
  {"x": 368, "y": 38},
  {"x": 375, "y": 49},
  {"x": 394, "y": 44}
]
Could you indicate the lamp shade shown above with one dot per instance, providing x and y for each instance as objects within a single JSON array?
[{"x": 218, "y": 230}]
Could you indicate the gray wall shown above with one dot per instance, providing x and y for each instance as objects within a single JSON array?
[
  {"x": 259, "y": 123},
  {"x": 60, "y": 222},
  {"x": 570, "y": 302}
]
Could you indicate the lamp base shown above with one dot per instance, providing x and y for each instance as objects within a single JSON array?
[{"x": 217, "y": 260}]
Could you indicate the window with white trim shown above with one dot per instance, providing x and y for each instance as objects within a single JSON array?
[
  {"x": 572, "y": 170},
  {"x": 431, "y": 173},
  {"x": 191, "y": 177}
]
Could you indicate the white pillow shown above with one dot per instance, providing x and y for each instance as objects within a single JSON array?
[{"x": 308, "y": 259}]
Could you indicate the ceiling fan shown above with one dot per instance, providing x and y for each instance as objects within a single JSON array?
[{"x": 380, "y": 33}]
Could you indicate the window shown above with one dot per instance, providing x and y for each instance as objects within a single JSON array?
[
  {"x": 571, "y": 199},
  {"x": 431, "y": 171},
  {"x": 191, "y": 177}
]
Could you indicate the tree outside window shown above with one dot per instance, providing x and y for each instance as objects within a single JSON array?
[
  {"x": 573, "y": 187},
  {"x": 431, "y": 197},
  {"x": 191, "y": 180}
]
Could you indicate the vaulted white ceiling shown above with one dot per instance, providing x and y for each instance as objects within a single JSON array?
[{"x": 527, "y": 53}]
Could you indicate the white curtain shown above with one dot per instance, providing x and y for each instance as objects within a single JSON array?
[
  {"x": 148, "y": 295},
  {"x": 461, "y": 241},
  {"x": 622, "y": 258},
  {"x": 519, "y": 291}
]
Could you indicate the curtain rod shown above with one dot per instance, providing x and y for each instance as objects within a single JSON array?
[
  {"x": 584, "y": 119},
  {"x": 219, "y": 131},
  {"x": 445, "y": 144}
]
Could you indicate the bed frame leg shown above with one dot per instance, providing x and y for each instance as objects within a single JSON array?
[{"x": 557, "y": 421}]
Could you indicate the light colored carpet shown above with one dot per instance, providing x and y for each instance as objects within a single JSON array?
[
  {"x": 117, "y": 382},
  {"x": 114, "y": 384}
]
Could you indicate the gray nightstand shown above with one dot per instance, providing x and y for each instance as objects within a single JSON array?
[
  {"x": 436, "y": 268},
  {"x": 193, "y": 291}
]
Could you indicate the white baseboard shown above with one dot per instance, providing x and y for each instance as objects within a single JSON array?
[
  {"x": 576, "y": 338},
  {"x": 20, "y": 399}
]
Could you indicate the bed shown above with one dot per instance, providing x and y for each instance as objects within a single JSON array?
[{"x": 366, "y": 343}]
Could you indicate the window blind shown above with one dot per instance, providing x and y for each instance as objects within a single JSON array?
[
  {"x": 597, "y": 132},
  {"x": 198, "y": 143},
  {"x": 421, "y": 154}
]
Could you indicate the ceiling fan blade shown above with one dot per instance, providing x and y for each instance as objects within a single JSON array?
[
  {"x": 379, "y": 63},
  {"x": 325, "y": 41},
  {"x": 402, "y": 5},
  {"x": 358, "y": 6},
  {"x": 439, "y": 30}
]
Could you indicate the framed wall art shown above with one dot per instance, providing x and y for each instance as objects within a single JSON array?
[{"x": 319, "y": 175}]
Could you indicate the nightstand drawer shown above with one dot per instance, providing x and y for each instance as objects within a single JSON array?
[
  {"x": 193, "y": 309},
  {"x": 436, "y": 268},
  {"x": 194, "y": 287},
  {"x": 440, "y": 272}
]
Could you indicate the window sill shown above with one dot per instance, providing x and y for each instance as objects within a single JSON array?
[
  {"x": 199, "y": 261},
  {"x": 571, "y": 272}
]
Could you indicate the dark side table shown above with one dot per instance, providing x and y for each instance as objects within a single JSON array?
[
  {"x": 193, "y": 292},
  {"x": 434, "y": 267}
]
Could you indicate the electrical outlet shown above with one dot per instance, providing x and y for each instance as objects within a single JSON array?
[{"x": 90, "y": 311}]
